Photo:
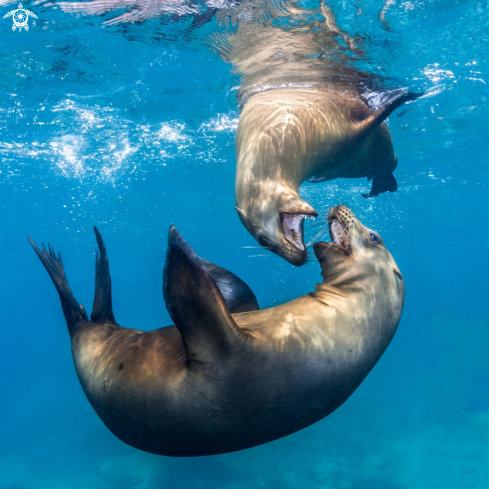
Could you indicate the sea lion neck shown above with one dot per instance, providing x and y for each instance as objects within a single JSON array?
[
  {"x": 343, "y": 275},
  {"x": 276, "y": 132},
  {"x": 267, "y": 179},
  {"x": 261, "y": 168}
]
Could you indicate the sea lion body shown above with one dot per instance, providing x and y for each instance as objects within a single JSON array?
[
  {"x": 307, "y": 114},
  {"x": 219, "y": 382},
  {"x": 304, "y": 133},
  {"x": 288, "y": 135},
  {"x": 232, "y": 394}
]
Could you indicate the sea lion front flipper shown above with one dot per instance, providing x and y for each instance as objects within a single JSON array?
[
  {"x": 390, "y": 102},
  {"x": 196, "y": 304},
  {"x": 386, "y": 183},
  {"x": 73, "y": 312},
  {"x": 102, "y": 302},
  {"x": 236, "y": 293}
]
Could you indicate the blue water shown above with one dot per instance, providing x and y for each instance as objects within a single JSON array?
[{"x": 131, "y": 128}]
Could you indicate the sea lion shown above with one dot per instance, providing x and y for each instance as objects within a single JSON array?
[
  {"x": 287, "y": 136},
  {"x": 218, "y": 382},
  {"x": 307, "y": 114}
]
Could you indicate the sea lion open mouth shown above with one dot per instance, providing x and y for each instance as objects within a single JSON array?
[
  {"x": 339, "y": 235},
  {"x": 293, "y": 228}
]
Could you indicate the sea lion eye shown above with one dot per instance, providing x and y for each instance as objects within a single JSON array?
[{"x": 373, "y": 238}]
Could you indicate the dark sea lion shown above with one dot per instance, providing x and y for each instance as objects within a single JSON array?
[{"x": 218, "y": 382}]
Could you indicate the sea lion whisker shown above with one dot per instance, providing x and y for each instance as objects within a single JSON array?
[
  {"x": 318, "y": 235},
  {"x": 318, "y": 224}
]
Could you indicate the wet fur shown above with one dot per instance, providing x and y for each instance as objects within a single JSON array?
[{"x": 218, "y": 382}]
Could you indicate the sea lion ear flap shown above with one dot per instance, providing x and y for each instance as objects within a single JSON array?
[
  {"x": 195, "y": 303},
  {"x": 389, "y": 104}
]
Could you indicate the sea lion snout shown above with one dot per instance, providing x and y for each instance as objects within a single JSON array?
[
  {"x": 340, "y": 221},
  {"x": 343, "y": 213},
  {"x": 348, "y": 237}
]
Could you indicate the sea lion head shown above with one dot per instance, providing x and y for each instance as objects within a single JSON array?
[
  {"x": 357, "y": 255},
  {"x": 277, "y": 223}
]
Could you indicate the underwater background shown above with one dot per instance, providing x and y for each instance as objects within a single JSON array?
[{"x": 131, "y": 128}]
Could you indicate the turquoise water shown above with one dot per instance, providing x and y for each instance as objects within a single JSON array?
[{"x": 131, "y": 128}]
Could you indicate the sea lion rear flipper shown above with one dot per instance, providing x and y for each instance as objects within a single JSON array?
[
  {"x": 390, "y": 102},
  {"x": 237, "y": 295},
  {"x": 386, "y": 183},
  {"x": 102, "y": 303},
  {"x": 195, "y": 303},
  {"x": 73, "y": 312}
]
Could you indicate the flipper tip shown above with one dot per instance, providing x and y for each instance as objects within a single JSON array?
[
  {"x": 176, "y": 244},
  {"x": 98, "y": 236},
  {"x": 409, "y": 96}
]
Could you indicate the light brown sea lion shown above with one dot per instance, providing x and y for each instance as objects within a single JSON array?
[
  {"x": 218, "y": 382},
  {"x": 307, "y": 114},
  {"x": 286, "y": 136}
]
